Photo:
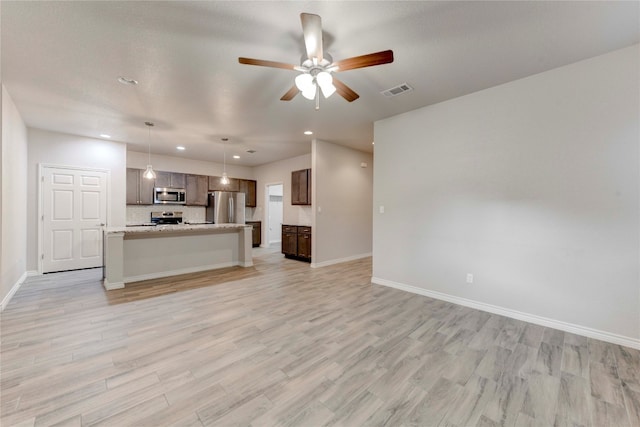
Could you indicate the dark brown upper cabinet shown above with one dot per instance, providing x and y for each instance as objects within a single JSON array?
[
  {"x": 301, "y": 187},
  {"x": 171, "y": 179},
  {"x": 197, "y": 190},
  {"x": 248, "y": 187},
  {"x": 216, "y": 185},
  {"x": 139, "y": 189}
]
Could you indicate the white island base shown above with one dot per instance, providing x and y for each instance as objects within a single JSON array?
[{"x": 142, "y": 253}]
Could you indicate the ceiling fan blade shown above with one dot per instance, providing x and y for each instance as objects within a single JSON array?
[
  {"x": 263, "y": 63},
  {"x": 378, "y": 58},
  {"x": 291, "y": 93},
  {"x": 345, "y": 91},
  {"x": 312, "y": 31}
]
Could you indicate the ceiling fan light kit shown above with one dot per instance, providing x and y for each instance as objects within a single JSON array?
[{"x": 317, "y": 67}]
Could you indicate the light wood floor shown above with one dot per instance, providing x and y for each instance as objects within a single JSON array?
[{"x": 284, "y": 344}]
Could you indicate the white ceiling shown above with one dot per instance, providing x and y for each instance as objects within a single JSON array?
[{"x": 61, "y": 61}]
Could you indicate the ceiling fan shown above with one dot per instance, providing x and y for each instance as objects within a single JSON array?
[{"x": 316, "y": 71}]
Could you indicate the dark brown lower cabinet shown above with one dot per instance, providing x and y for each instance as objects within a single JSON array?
[
  {"x": 304, "y": 242},
  {"x": 296, "y": 242},
  {"x": 256, "y": 234},
  {"x": 290, "y": 240}
]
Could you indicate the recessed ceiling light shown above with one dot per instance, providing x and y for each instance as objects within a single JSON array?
[
  {"x": 126, "y": 81},
  {"x": 308, "y": 132},
  {"x": 236, "y": 156},
  {"x": 180, "y": 147},
  {"x": 104, "y": 135}
]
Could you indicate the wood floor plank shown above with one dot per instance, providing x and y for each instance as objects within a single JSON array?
[
  {"x": 436, "y": 404},
  {"x": 605, "y": 386},
  {"x": 540, "y": 402},
  {"x": 605, "y": 414},
  {"x": 504, "y": 407},
  {"x": 574, "y": 401},
  {"x": 549, "y": 360},
  {"x": 628, "y": 364},
  {"x": 467, "y": 410},
  {"x": 632, "y": 403},
  {"x": 280, "y": 343},
  {"x": 532, "y": 335},
  {"x": 575, "y": 360}
]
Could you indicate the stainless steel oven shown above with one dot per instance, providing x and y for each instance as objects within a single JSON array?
[
  {"x": 169, "y": 196},
  {"x": 166, "y": 217}
]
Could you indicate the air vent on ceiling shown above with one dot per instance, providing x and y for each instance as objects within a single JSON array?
[
  {"x": 397, "y": 90},
  {"x": 251, "y": 151}
]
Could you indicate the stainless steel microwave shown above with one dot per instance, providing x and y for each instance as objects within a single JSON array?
[{"x": 169, "y": 196}]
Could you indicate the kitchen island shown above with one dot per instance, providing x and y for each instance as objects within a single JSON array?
[{"x": 139, "y": 253}]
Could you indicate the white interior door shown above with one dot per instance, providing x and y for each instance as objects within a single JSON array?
[
  {"x": 275, "y": 213},
  {"x": 74, "y": 209}
]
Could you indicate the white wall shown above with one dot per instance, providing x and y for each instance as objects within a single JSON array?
[
  {"x": 72, "y": 150},
  {"x": 342, "y": 196},
  {"x": 280, "y": 173},
  {"x": 179, "y": 164},
  {"x": 13, "y": 208},
  {"x": 532, "y": 186}
]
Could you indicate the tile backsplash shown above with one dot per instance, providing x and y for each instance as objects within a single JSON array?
[{"x": 141, "y": 214}]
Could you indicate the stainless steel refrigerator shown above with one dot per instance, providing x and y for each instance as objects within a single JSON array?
[{"x": 226, "y": 207}]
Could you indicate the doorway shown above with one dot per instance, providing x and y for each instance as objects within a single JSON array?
[
  {"x": 73, "y": 212},
  {"x": 274, "y": 196}
]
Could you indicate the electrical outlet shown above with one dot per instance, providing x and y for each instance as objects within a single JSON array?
[
  {"x": 469, "y": 278},
  {"x": 381, "y": 209}
]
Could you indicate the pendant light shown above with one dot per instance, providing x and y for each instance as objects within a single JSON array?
[
  {"x": 225, "y": 179},
  {"x": 149, "y": 173}
]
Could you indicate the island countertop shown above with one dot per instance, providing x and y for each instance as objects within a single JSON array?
[{"x": 173, "y": 228}]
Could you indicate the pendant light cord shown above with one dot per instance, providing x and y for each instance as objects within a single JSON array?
[
  {"x": 149, "y": 125},
  {"x": 149, "y": 173}
]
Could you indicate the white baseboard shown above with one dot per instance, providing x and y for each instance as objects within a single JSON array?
[
  {"x": 161, "y": 274},
  {"x": 110, "y": 286},
  {"x": 526, "y": 317},
  {"x": 339, "y": 260},
  {"x": 15, "y": 287}
]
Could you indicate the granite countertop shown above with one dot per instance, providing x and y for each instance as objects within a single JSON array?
[{"x": 173, "y": 228}]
